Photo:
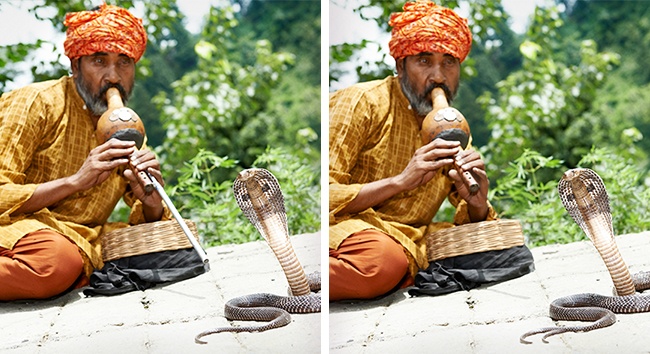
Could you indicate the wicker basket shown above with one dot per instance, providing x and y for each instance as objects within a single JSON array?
[
  {"x": 146, "y": 238},
  {"x": 473, "y": 238}
]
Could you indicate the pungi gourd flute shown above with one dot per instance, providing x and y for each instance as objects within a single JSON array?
[{"x": 123, "y": 123}]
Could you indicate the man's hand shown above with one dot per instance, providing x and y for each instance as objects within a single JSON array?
[
  {"x": 95, "y": 170},
  {"x": 145, "y": 161},
  {"x": 426, "y": 161},
  {"x": 470, "y": 161},
  {"x": 101, "y": 161},
  {"x": 424, "y": 164}
]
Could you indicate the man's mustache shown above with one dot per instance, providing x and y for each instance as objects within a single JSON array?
[
  {"x": 445, "y": 88},
  {"x": 123, "y": 93}
]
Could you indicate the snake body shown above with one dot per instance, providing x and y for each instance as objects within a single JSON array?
[
  {"x": 259, "y": 197},
  {"x": 584, "y": 196}
]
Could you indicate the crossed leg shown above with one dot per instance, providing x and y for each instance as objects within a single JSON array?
[
  {"x": 42, "y": 264},
  {"x": 366, "y": 265}
]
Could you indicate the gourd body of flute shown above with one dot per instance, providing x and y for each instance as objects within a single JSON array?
[
  {"x": 122, "y": 123},
  {"x": 444, "y": 122},
  {"x": 119, "y": 121},
  {"x": 447, "y": 123}
]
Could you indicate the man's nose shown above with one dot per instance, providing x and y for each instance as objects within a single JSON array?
[
  {"x": 435, "y": 75},
  {"x": 111, "y": 75}
]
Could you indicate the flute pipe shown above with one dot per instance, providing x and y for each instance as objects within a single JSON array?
[
  {"x": 195, "y": 244},
  {"x": 145, "y": 179}
]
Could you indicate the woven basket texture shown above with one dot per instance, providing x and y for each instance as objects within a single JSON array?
[
  {"x": 473, "y": 238},
  {"x": 146, "y": 238}
]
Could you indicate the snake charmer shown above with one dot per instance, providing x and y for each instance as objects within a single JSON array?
[
  {"x": 59, "y": 185},
  {"x": 385, "y": 184}
]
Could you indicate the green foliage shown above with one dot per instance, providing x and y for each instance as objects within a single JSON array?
[
  {"x": 170, "y": 54},
  {"x": 11, "y": 54},
  {"x": 212, "y": 206},
  {"x": 220, "y": 106},
  {"x": 120, "y": 213},
  {"x": 622, "y": 28},
  {"x": 242, "y": 98},
  {"x": 291, "y": 27},
  {"x": 627, "y": 187},
  {"x": 300, "y": 185},
  {"x": 552, "y": 107},
  {"x": 521, "y": 195},
  {"x": 548, "y": 105}
]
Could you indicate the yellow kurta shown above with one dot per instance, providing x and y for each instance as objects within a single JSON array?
[
  {"x": 373, "y": 135},
  {"x": 47, "y": 134}
]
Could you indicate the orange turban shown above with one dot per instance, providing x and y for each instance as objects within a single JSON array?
[
  {"x": 109, "y": 29},
  {"x": 427, "y": 27}
]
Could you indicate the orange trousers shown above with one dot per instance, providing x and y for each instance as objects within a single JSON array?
[
  {"x": 366, "y": 265},
  {"x": 42, "y": 264}
]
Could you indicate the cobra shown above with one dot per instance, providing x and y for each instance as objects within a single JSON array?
[
  {"x": 584, "y": 196},
  {"x": 259, "y": 196}
]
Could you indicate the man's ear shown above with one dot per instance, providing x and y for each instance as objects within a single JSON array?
[
  {"x": 399, "y": 66},
  {"x": 74, "y": 66}
]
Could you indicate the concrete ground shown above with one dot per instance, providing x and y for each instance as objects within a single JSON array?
[
  {"x": 165, "y": 319},
  {"x": 491, "y": 319}
]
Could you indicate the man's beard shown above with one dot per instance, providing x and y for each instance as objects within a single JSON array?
[
  {"x": 97, "y": 105},
  {"x": 422, "y": 104}
]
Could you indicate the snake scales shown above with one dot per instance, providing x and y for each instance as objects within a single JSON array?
[
  {"x": 584, "y": 196},
  {"x": 259, "y": 196}
]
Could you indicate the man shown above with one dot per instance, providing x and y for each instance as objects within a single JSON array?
[
  {"x": 385, "y": 185},
  {"x": 58, "y": 185}
]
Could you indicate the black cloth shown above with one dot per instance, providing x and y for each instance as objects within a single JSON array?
[
  {"x": 470, "y": 271},
  {"x": 144, "y": 271}
]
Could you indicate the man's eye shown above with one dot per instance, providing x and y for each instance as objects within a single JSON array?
[{"x": 450, "y": 61}]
